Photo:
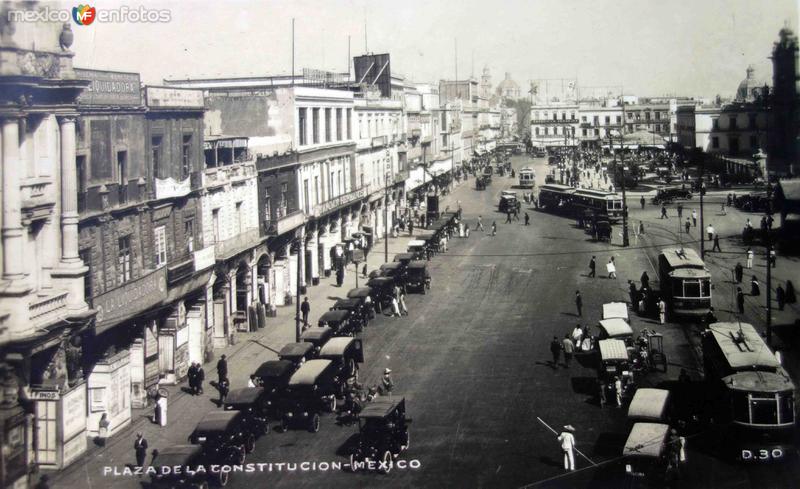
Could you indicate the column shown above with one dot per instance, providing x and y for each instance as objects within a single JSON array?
[
  {"x": 313, "y": 247},
  {"x": 12, "y": 218},
  {"x": 69, "y": 193},
  {"x": 301, "y": 258}
]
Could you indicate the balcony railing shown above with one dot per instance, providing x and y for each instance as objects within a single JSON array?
[
  {"x": 44, "y": 310},
  {"x": 232, "y": 246},
  {"x": 221, "y": 175},
  {"x": 38, "y": 199},
  {"x": 284, "y": 222}
]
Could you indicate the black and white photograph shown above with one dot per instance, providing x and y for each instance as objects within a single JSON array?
[{"x": 523, "y": 244}]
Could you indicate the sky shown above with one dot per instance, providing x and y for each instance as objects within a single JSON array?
[{"x": 648, "y": 47}]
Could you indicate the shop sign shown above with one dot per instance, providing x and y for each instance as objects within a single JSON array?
[
  {"x": 204, "y": 258},
  {"x": 339, "y": 201},
  {"x": 74, "y": 405},
  {"x": 182, "y": 337},
  {"x": 45, "y": 395},
  {"x": 174, "y": 97},
  {"x": 110, "y": 88},
  {"x": 118, "y": 304}
]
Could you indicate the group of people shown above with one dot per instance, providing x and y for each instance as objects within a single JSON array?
[
  {"x": 611, "y": 268},
  {"x": 578, "y": 340}
]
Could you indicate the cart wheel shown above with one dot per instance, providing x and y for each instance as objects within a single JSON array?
[
  {"x": 250, "y": 443},
  {"x": 332, "y": 404},
  {"x": 240, "y": 455},
  {"x": 284, "y": 425},
  {"x": 387, "y": 462},
  {"x": 313, "y": 424},
  {"x": 351, "y": 367},
  {"x": 222, "y": 479}
]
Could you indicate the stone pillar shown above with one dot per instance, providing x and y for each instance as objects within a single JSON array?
[
  {"x": 13, "y": 258},
  {"x": 69, "y": 193},
  {"x": 313, "y": 248},
  {"x": 301, "y": 257}
]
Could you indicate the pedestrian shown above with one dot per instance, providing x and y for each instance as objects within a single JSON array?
[
  {"x": 201, "y": 376},
  {"x": 527, "y": 219},
  {"x": 494, "y": 228},
  {"x": 662, "y": 311},
  {"x": 592, "y": 267},
  {"x": 161, "y": 402},
  {"x": 140, "y": 449},
  {"x": 716, "y": 244},
  {"x": 578, "y": 303},
  {"x": 339, "y": 275},
  {"x": 773, "y": 258},
  {"x": 641, "y": 201},
  {"x": 755, "y": 290},
  {"x": 634, "y": 295},
  {"x": 577, "y": 335},
  {"x": 402, "y": 303},
  {"x": 555, "y": 350},
  {"x": 364, "y": 270},
  {"x": 680, "y": 211},
  {"x": 710, "y": 231},
  {"x": 569, "y": 349},
  {"x": 694, "y": 218},
  {"x": 663, "y": 212},
  {"x": 602, "y": 390},
  {"x": 156, "y": 408},
  {"x": 748, "y": 224},
  {"x": 641, "y": 227},
  {"x": 611, "y": 268},
  {"x": 479, "y": 224},
  {"x": 740, "y": 300},
  {"x": 618, "y": 390},
  {"x": 224, "y": 387},
  {"x": 222, "y": 368},
  {"x": 508, "y": 216},
  {"x": 749, "y": 258},
  {"x": 102, "y": 432},
  {"x": 738, "y": 272},
  {"x": 395, "y": 307},
  {"x": 567, "y": 441},
  {"x": 387, "y": 384},
  {"x": 305, "y": 308},
  {"x": 780, "y": 296},
  {"x": 192, "y": 376},
  {"x": 687, "y": 225},
  {"x": 645, "y": 279},
  {"x": 791, "y": 298},
  {"x": 722, "y": 209}
]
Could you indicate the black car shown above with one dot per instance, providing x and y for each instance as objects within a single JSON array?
[
  {"x": 346, "y": 353},
  {"x": 395, "y": 270},
  {"x": 418, "y": 277},
  {"x": 382, "y": 290},
  {"x": 383, "y": 434},
  {"x": 226, "y": 436},
  {"x": 253, "y": 402},
  {"x": 297, "y": 353},
  {"x": 342, "y": 321},
  {"x": 317, "y": 337},
  {"x": 311, "y": 390},
  {"x": 667, "y": 195},
  {"x": 184, "y": 466},
  {"x": 363, "y": 294},
  {"x": 273, "y": 376},
  {"x": 403, "y": 258},
  {"x": 360, "y": 312}
]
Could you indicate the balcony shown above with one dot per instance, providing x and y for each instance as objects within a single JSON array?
[
  {"x": 284, "y": 222},
  {"x": 167, "y": 188},
  {"x": 222, "y": 175},
  {"x": 38, "y": 199},
  {"x": 241, "y": 242},
  {"x": 47, "y": 309}
]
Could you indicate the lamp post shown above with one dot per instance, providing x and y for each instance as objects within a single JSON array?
[
  {"x": 386, "y": 209},
  {"x": 298, "y": 328},
  {"x": 768, "y": 242}
]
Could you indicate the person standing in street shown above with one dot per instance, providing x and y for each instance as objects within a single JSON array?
[
  {"x": 201, "y": 376},
  {"x": 579, "y": 303},
  {"x": 663, "y": 212},
  {"x": 634, "y": 295},
  {"x": 494, "y": 228},
  {"x": 716, "y": 244},
  {"x": 569, "y": 349},
  {"x": 740, "y": 300},
  {"x": 694, "y": 218},
  {"x": 645, "y": 279},
  {"x": 479, "y": 224},
  {"x": 780, "y": 296},
  {"x": 222, "y": 369},
  {"x": 680, "y": 211},
  {"x": 140, "y": 449},
  {"x": 618, "y": 390},
  {"x": 773, "y": 258},
  {"x": 387, "y": 384},
  {"x": 192, "y": 376},
  {"x": 508, "y": 216},
  {"x": 527, "y": 219},
  {"x": 567, "y": 441},
  {"x": 687, "y": 225},
  {"x": 555, "y": 350},
  {"x": 592, "y": 267},
  {"x": 611, "y": 268},
  {"x": 738, "y": 272},
  {"x": 641, "y": 201},
  {"x": 305, "y": 308},
  {"x": 401, "y": 299},
  {"x": 722, "y": 209},
  {"x": 755, "y": 290},
  {"x": 662, "y": 311},
  {"x": 641, "y": 227},
  {"x": 395, "y": 307},
  {"x": 710, "y": 231},
  {"x": 162, "y": 411},
  {"x": 749, "y": 258},
  {"x": 224, "y": 387}
]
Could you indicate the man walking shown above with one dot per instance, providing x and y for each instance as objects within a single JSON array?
[
  {"x": 222, "y": 369},
  {"x": 201, "y": 376},
  {"x": 749, "y": 258},
  {"x": 680, "y": 211},
  {"x": 479, "y": 224},
  {"x": 494, "y": 228},
  {"x": 663, "y": 212},
  {"x": 527, "y": 219},
  {"x": 687, "y": 225},
  {"x": 578, "y": 303},
  {"x": 555, "y": 350},
  {"x": 694, "y": 218},
  {"x": 780, "y": 296},
  {"x": 641, "y": 201},
  {"x": 710, "y": 231},
  {"x": 192, "y": 375},
  {"x": 567, "y": 441},
  {"x": 592, "y": 266},
  {"x": 305, "y": 308},
  {"x": 140, "y": 448},
  {"x": 740, "y": 300},
  {"x": 611, "y": 268},
  {"x": 569, "y": 349},
  {"x": 716, "y": 244},
  {"x": 508, "y": 216},
  {"x": 738, "y": 272}
]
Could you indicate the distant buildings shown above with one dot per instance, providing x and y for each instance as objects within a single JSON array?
[{"x": 784, "y": 129}]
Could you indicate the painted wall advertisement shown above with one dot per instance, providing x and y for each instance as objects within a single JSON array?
[{"x": 73, "y": 424}]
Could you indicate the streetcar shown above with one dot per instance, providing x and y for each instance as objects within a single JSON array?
[
  {"x": 685, "y": 283},
  {"x": 527, "y": 177},
  {"x": 599, "y": 202},
  {"x": 556, "y": 198},
  {"x": 750, "y": 393}
]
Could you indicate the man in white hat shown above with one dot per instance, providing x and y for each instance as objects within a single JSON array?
[
  {"x": 386, "y": 382},
  {"x": 567, "y": 440}
]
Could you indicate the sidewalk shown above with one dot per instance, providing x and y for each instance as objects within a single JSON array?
[{"x": 185, "y": 410}]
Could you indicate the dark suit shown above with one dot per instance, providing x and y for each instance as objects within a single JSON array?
[{"x": 140, "y": 447}]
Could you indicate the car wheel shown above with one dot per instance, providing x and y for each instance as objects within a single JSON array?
[
  {"x": 407, "y": 442},
  {"x": 351, "y": 367},
  {"x": 332, "y": 404},
  {"x": 240, "y": 455},
  {"x": 353, "y": 461},
  {"x": 313, "y": 424},
  {"x": 387, "y": 462},
  {"x": 250, "y": 443},
  {"x": 284, "y": 425},
  {"x": 222, "y": 479}
]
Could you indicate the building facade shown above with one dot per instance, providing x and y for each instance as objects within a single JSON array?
[
  {"x": 784, "y": 132},
  {"x": 554, "y": 124}
]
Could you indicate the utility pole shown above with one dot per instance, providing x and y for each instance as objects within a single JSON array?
[
  {"x": 768, "y": 242},
  {"x": 297, "y": 326},
  {"x": 386, "y": 222},
  {"x": 702, "y": 194},
  {"x": 625, "y": 237}
]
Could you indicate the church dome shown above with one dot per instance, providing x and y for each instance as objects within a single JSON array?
[
  {"x": 750, "y": 88},
  {"x": 508, "y": 87}
]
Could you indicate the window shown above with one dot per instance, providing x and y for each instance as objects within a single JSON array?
[
  {"x": 330, "y": 185},
  {"x": 122, "y": 176},
  {"x": 215, "y": 225},
  {"x": 187, "y": 156},
  {"x": 80, "y": 175},
  {"x": 267, "y": 205},
  {"x": 647, "y": 116},
  {"x": 563, "y": 116},
  {"x": 658, "y": 116},
  {"x": 338, "y": 124},
  {"x": 555, "y": 116},
  {"x": 341, "y": 183},
  {"x": 155, "y": 147},
  {"x": 583, "y": 132},
  {"x": 284, "y": 196},
  {"x": 619, "y": 119},
  {"x": 301, "y": 126},
  {"x": 715, "y": 124},
  {"x": 306, "y": 197},
  {"x": 124, "y": 259},
  {"x": 86, "y": 258},
  {"x": 546, "y": 131},
  {"x": 327, "y": 125},
  {"x": 596, "y": 120},
  {"x": 583, "y": 118},
  {"x": 732, "y": 122},
  {"x": 349, "y": 123},
  {"x": 715, "y": 142},
  {"x": 315, "y": 125},
  {"x": 536, "y": 130},
  {"x": 160, "y": 246},
  {"x": 316, "y": 189},
  {"x": 188, "y": 234},
  {"x": 608, "y": 120},
  {"x": 572, "y": 116}
]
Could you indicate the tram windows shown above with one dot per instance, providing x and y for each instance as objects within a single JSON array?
[
  {"x": 785, "y": 408},
  {"x": 691, "y": 288},
  {"x": 764, "y": 410},
  {"x": 741, "y": 407},
  {"x": 706, "y": 288}
]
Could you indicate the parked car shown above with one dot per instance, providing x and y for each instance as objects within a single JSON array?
[
  {"x": 226, "y": 436},
  {"x": 667, "y": 195},
  {"x": 418, "y": 277},
  {"x": 297, "y": 353},
  {"x": 342, "y": 321},
  {"x": 311, "y": 390},
  {"x": 190, "y": 458},
  {"x": 360, "y": 311},
  {"x": 382, "y": 434},
  {"x": 253, "y": 402},
  {"x": 346, "y": 354},
  {"x": 382, "y": 289},
  {"x": 317, "y": 337},
  {"x": 273, "y": 376}
]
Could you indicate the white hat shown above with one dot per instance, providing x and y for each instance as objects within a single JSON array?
[
  {"x": 569, "y": 427},
  {"x": 387, "y": 371}
]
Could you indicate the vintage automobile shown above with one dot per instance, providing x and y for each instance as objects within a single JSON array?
[
  {"x": 317, "y": 337},
  {"x": 613, "y": 310},
  {"x": 601, "y": 230},
  {"x": 403, "y": 258},
  {"x": 667, "y": 195},
  {"x": 418, "y": 277},
  {"x": 342, "y": 321},
  {"x": 252, "y": 401},
  {"x": 395, "y": 270},
  {"x": 646, "y": 452},
  {"x": 311, "y": 390},
  {"x": 417, "y": 248},
  {"x": 383, "y": 434},
  {"x": 297, "y": 353},
  {"x": 273, "y": 376},
  {"x": 190, "y": 458},
  {"x": 346, "y": 353},
  {"x": 616, "y": 328},
  {"x": 615, "y": 362},
  {"x": 650, "y": 405},
  {"x": 226, "y": 436},
  {"x": 508, "y": 201},
  {"x": 382, "y": 289},
  {"x": 360, "y": 311},
  {"x": 364, "y": 294}
]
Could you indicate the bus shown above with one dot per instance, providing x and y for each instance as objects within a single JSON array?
[
  {"x": 598, "y": 201},
  {"x": 750, "y": 394},
  {"x": 685, "y": 283},
  {"x": 527, "y": 177}
]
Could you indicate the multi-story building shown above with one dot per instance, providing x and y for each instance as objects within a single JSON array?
[
  {"x": 653, "y": 118},
  {"x": 44, "y": 319},
  {"x": 784, "y": 129},
  {"x": 424, "y": 142},
  {"x": 599, "y": 121},
  {"x": 554, "y": 124},
  {"x": 732, "y": 129},
  {"x": 464, "y": 96}
]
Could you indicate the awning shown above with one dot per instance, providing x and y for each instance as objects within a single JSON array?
[{"x": 182, "y": 289}]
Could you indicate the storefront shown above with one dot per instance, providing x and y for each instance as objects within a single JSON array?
[
  {"x": 110, "y": 393},
  {"x": 60, "y": 424}
]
